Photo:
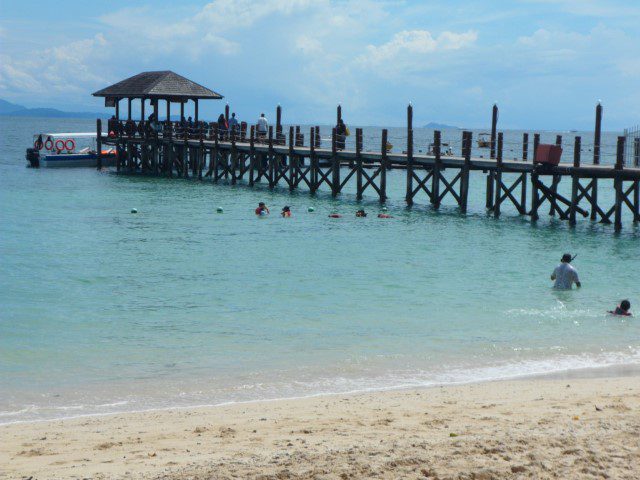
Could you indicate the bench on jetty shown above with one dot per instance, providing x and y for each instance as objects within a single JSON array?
[{"x": 204, "y": 150}]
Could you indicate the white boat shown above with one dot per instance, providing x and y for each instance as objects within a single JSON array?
[{"x": 67, "y": 150}]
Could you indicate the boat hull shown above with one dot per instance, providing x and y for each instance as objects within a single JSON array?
[{"x": 76, "y": 160}]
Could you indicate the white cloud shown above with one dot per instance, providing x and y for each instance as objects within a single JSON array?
[
  {"x": 66, "y": 68},
  {"x": 410, "y": 46},
  {"x": 308, "y": 45}
]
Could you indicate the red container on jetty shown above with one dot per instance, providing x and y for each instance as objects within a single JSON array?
[{"x": 548, "y": 154}]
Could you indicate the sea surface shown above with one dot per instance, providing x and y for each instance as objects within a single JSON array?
[{"x": 103, "y": 311}]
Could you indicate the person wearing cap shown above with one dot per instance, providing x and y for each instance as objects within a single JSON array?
[{"x": 565, "y": 275}]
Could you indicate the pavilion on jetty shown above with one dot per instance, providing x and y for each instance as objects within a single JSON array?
[{"x": 207, "y": 150}]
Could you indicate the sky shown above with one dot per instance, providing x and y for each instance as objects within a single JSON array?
[{"x": 546, "y": 63}]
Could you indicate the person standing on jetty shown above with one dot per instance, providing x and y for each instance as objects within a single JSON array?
[
  {"x": 234, "y": 126},
  {"x": 565, "y": 275},
  {"x": 262, "y": 126},
  {"x": 222, "y": 126},
  {"x": 342, "y": 132}
]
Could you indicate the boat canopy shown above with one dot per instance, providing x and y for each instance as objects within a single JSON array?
[{"x": 68, "y": 135}]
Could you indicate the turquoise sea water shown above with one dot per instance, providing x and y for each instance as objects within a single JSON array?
[{"x": 105, "y": 311}]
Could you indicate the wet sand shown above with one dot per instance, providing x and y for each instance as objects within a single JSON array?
[{"x": 536, "y": 428}]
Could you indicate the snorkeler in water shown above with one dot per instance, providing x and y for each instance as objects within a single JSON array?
[
  {"x": 286, "y": 212},
  {"x": 361, "y": 213}
]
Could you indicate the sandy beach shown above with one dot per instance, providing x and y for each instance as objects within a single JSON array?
[{"x": 537, "y": 428}]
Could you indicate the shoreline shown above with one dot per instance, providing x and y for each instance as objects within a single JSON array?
[
  {"x": 499, "y": 429},
  {"x": 607, "y": 371}
]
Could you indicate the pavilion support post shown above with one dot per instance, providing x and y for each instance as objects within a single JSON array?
[
  {"x": 437, "y": 168},
  {"x": 618, "y": 184},
  {"x": 169, "y": 113},
  {"x": 498, "y": 178},
  {"x": 359, "y": 190},
  {"x": 99, "y": 142},
  {"x": 117, "y": 109},
  {"x": 195, "y": 113},
  {"x": 409, "y": 193},
  {"x": 335, "y": 171},
  {"x": 575, "y": 180},
  {"x": 313, "y": 161},
  {"x": 129, "y": 108},
  {"x": 596, "y": 161},
  {"x": 383, "y": 166},
  {"x": 467, "y": 138},
  {"x": 535, "y": 194},
  {"x": 142, "y": 110}
]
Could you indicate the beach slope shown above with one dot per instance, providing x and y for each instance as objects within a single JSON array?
[{"x": 538, "y": 428}]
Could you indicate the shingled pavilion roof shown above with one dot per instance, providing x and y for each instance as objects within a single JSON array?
[{"x": 165, "y": 85}]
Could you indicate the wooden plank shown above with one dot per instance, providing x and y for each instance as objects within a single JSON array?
[
  {"x": 498, "y": 178},
  {"x": 577, "y": 146},
  {"x": 383, "y": 166},
  {"x": 409, "y": 156},
  {"x": 99, "y": 142},
  {"x": 467, "y": 144},
  {"x": 437, "y": 168}
]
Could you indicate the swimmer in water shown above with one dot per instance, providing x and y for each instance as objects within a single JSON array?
[
  {"x": 361, "y": 213},
  {"x": 262, "y": 209},
  {"x": 384, "y": 215},
  {"x": 286, "y": 212},
  {"x": 622, "y": 309}
]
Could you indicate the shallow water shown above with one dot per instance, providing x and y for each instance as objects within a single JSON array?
[{"x": 104, "y": 311}]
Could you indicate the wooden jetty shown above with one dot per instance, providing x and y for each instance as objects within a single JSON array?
[{"x": 211, "y": 151}]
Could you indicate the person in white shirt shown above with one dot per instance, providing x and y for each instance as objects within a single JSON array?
[
  {"x": 263, "y": 126},
  {"x": 565, "y": 275}
]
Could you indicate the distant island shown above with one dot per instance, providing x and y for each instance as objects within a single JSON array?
[
  {"x": 8, "y": 109},
  {"x": 440, "y": 126}
]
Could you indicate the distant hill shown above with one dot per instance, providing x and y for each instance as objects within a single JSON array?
[
  {"x": 440, "y": 126},
  {"x": 9, "y": 109}
]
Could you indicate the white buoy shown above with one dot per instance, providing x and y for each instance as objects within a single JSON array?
[{"x": 134, "y": 210}]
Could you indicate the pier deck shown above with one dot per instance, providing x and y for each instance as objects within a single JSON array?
[{"x": 285, "y": 160}]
